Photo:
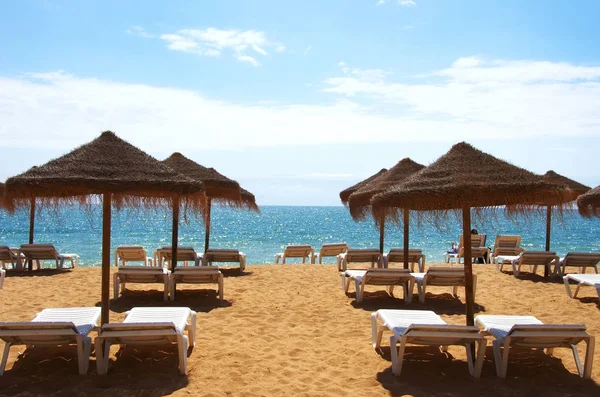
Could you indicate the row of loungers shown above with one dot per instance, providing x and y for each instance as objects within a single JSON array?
[
  {"x": 37, "y": 253},
  {"x": 72, "y": 326}
]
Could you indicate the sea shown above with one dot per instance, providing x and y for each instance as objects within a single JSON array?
[{"x": 262, "y": 235}]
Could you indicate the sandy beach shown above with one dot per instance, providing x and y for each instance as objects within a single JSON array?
[{"x": 290, "y": 330}]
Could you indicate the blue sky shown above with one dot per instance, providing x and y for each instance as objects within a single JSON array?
[{"x": 298, "y": 100}]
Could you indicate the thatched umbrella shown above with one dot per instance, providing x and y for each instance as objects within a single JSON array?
[
  {"x": 218, "y": 187},
  {"x": 106, "y": 166},
  {"x": 359, "y": 201},
  {"x": 577, "y": 189},
  {"x": 589, "y": 203},
  {"x": 463, "y": 178}
]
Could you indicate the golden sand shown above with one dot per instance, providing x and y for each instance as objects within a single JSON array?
[{"x": 290, "y": 330}]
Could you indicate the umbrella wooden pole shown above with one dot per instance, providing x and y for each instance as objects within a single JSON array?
[
  {"x": 548, "y": 224},
  {"x": 207, "y": 233},
  {"x": 175, "y": 237},
  {"x": 31, "y": 227},
  {"x": 406, "y": 219},
  {"x": 106, "y": 215},
  {"x": 381, "y": 234},
  {"x": 468, "y": 266}
]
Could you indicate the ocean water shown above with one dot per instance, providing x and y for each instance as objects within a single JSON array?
[{"x": 262, "y": 235}]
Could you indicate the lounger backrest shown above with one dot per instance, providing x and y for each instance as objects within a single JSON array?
[
  {"x": 333, "y": 249},
  {"x": 387, "y": 276},
  {"x": 445, "y": 276},
  {"x": 196, "y": 274},
  {"x": 39, "y": 251},
  {"x": 138, "y": 274},
  {"x": 477, "y": 240},
  {"x": 134, "y": 253},
  {"x": 6, "y": 253},
  {"x": 222, "y": 255},
  {"x": 363, "y": 255},
  {"x": 537, "y": 257},
  {"x": 581, "y": 259},
  {"x": 507, "y": 245},
  {"x": 547, "y": 335},
  {"x": 397, "y": 255},
  {"x": 183, "y": 253},
  {"x": 38, "y": 332},
  {"x": 297, "y": 251}
]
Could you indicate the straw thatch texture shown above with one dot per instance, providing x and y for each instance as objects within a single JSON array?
[
  {"x": 576, "y": 187},
  {"x": 589, "y": 203},
  {"x": 4, "y": 204},
  {"x": 107, "y": 164},
  {"x": 345, "y": 194},
  {"x": 467, "y": 177},
  {"x": 359, "y": 201},
  {"x": 218, "y": 186},
  {"x": 248, "y": 200}
]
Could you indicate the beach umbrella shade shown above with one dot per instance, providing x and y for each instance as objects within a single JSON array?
[
  {"x": 463, "y": 178},
  {"x": 576, "y": 188},
  {"x": 588, "y": 203},
  {"x": 359, "y": 202},
  {"x": 218, "y": 187},
  {"x": 107, "y": 166}
]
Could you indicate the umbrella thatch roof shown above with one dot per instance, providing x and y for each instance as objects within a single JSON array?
[
  {"x": 108, "y": 164},
  {"x": 467, "y": 177},
  {"x": 3, "y": 201},
  {"x": 576, "y": 187},
  {"x": 217, "y": 186},
  {"x": 359, "y": 201},
  {"x": 345, "y": 194},
  {"x": 589, "y": 203},
  {"x": 248, "y": 200}
]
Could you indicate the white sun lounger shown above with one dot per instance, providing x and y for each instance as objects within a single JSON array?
[
  {"x": 10, "y": 255},
  {"x": 330, "y": 250},
  {"x": 296, "y": 251},
  {"x": 534, "y": 259},
  {"x": 68, "y": 326},
  {"x": 593, "y": 280},
  {"x": 452, "y": 277},
  {"x": 139, "y": 274},
  {"x": 184, "y": 254},
  {"x": 43, "y": 252},
  {"x": 397, "y": 255},
  {"x": 2, "y": 276},
  {"x": 424, "y": 327},
  {"x": 528, "y": 331},
  {"x": 223, "y": 255},
  {"x": 359, "y": 256},
  {"x": 197, "y": 275},
  {"x": 132, "y": 253},
  {"x": 387, "y": 277},
  {"x": 582, "y": 260},
  {"x": 149, "y": 326}
]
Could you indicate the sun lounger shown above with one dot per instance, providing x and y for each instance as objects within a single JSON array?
[
  {"x": 478, "y": 249},
  {"x": 593, "y": 280},
  {"x": 534, "y": 259},
  {"x": 154, "y": 326},
  {"x": 330, "y": 250},
  {"x": 582, "y": 260},
  {"x": 296, "y": 251},
  {"x": 184, "y": 254},
  {"x": 139, "y": 274},
  {"x": 132, "y": 253},
  {"x": 2, "y": 276},
  {"x": 43, "y": 252},
  {"x": 506, "y": 245},
  {"x": 387, "y": 277},
  {"x": 528, "y": 331},
  {"x": 9, "y": 255},
  {"x": 359, "y": 256},
  {"x": 397, "y": 255},
  {"x": 68, "y": 326},
  {"x": 424, "y": 327},
  {"x": 442, "y": 276},
  {"x": 197, "y": 275},
  {"x": 223, "y": 255}
]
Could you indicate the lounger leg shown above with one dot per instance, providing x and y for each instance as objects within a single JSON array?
[
  {"x": 397, "y": 353},
  {"x": 221, "y": 288},
  {"x": 480, "y": 357},
  {"x": 504, "y": 363},
  {"x": 497, "y": 357},
  {"x": 172, "y": 288},
  {"x": 102, "y": 352},
  {"x": 421, "y": 291},
  {"x": 5, "y": 356},
  {"x": 576, "y": 290},
  {"x": 589, "y": 357},
  {"x": 84, "y": 349},
  {"x": 454, "y": 291},
  {"x": 409, "y": 291},
  {"x": 166, "y": 287},
  {"x": 116, "y": 283},
  {"x": 374, "y": 339},
  {"x": 360, "y": 288},
  {"x": 469, "y": 358},
  {"x": 192, "y": 329},
  {"x": 182, "y": 344},
  {"x": 577, "y": 360},
  {"x": 567, "y": 287}
]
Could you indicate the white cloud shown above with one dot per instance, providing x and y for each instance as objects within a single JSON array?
[
  {"x": 407, "y": 3},
  {"x": 137, "y": 30},
  {"x": 307, "y": 49},
  {"x": 213, "y": 42}
]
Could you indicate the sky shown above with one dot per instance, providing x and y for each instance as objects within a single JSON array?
[{"x": 300, "y": 100}]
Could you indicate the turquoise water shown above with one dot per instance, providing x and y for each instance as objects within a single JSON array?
[{"x": 262, "y": 235}]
